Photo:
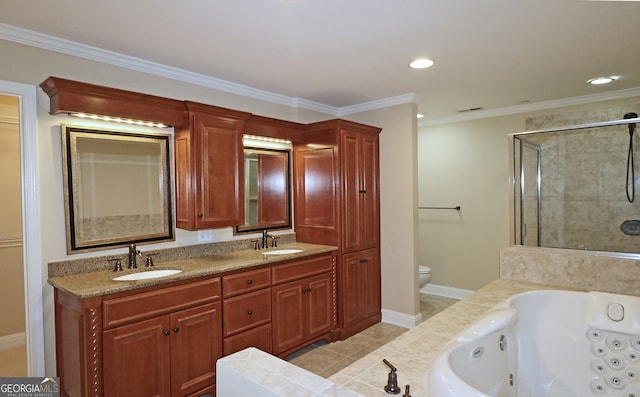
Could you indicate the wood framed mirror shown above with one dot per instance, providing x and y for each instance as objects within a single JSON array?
[
  {"x": 267, "y": 189},
  {"x": 118, "y": 188}
]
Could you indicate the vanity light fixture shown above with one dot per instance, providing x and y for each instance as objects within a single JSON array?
[
  {"x": 119, "y": 120},
  {"x": 265, "y": 142},
  {"x": 421, "y": 63},
  {"x": 266, "y": 139},
  {"x": 602, "y": 80}
]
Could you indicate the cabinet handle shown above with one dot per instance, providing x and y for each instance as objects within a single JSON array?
[
  {"x": 364, "y": 260},
  {"x": 200, "y": 215},
  {"x": 249, "y": 281},
  {"x": 166, "y": 332},
  {"x": 249, "y": 312},
  {"x": 176, "y": 329}
]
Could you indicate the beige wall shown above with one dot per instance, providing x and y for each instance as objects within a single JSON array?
[
  {"x": 11, "y": 270},
  {"x": 32, "y": 66},
  {"x": 467, "y": 164}
]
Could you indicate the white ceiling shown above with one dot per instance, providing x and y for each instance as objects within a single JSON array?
[{"x": 492, "y": 54}]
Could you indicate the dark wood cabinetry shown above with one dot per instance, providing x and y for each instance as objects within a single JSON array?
[
  {"x": 304, "y": 300},
  {"x": 171, "y": 355},
  {"x": 337, "y": 202},
  {"x": 209, "y": 168},
  {"x": 359, "y": 166},
  {"x": 165, "y": 340},
  {"x": 155, "y": 342}
]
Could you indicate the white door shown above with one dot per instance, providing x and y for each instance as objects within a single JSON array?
[{"x": 20, "y": 247}]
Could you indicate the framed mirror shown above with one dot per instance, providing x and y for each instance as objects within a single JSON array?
[
  {"x": 267, "y": 192},
  {"x": 117, "y": 187}
]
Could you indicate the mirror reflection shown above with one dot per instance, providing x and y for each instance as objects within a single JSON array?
[
  {"x": 117, "y": 188},
  {"x": 267, "y": 192},
  {"x": 572, "y": 188}
]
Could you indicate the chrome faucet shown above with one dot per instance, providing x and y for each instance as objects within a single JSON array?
[
  {"x": 265, "y": 239},
  {"x": 133, "y": 254}
]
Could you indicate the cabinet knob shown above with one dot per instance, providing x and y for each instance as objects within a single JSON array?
[
  {"x": 249, "y": 312},
  {"x": 363, "y": 260},
  {"x": 166, "y": 332},
  {"x": 363, "y": 191},
  {"x": 249, "y": 281},
  {"x": 201, "y": 215},
  {"x": 176, "y": 329}
]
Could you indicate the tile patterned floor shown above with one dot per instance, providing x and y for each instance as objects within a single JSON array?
[{"x": 325, "y": 359}]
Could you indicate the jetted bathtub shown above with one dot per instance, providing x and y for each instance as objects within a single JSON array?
[{"x": 546, "y": 344}]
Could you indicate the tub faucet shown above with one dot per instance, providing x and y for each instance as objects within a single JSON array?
[
  {"x": 392, "y": 380},
  {"x": 133, "y": 254}
]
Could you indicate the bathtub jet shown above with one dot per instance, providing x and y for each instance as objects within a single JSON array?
[{"x": 546, "y": 344}]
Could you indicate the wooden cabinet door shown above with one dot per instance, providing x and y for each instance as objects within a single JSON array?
[
  {"x": 136, "y": 359},
  {"x": 370, "y": 279},
  {"x": 318, "y": 291},
  {"x": 218, "y": 163},
  {"x": 351, "y": 288},
  {"x": 316, "y": 192},
  {"x": 196, "y": 345},
  {"x": 361, "y": 286},
  {"x": 287, "y": 311},
  {"x": 370, "y": 199},
  {"x": 352, "y": 191},
  {"x": 359, "y": 162}
]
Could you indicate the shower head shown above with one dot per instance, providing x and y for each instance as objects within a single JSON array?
[{"x": 632, "y": 126}]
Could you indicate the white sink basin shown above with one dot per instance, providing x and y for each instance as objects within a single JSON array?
[
  {"x": 283, "y": 252},
  {"x": 145, "y": 275}
]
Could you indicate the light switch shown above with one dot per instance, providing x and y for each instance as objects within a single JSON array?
[{"x": 616, "y": 312}]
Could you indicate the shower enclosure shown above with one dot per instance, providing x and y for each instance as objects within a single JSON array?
[{"x": 571, "y": 187}]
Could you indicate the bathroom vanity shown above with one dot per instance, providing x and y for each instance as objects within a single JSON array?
[{"x": 163, "y": 336}]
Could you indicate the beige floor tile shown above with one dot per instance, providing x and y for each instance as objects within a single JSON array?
[{"x": 327, "y": 359}]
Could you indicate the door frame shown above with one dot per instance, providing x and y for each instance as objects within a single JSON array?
[{"x": 31, "y": 241}]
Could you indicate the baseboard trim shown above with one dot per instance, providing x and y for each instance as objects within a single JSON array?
[
  {"x": 401, "y": 319},
  {"x": 14, "y": 340},
  {"x": 449, "y": 292}
]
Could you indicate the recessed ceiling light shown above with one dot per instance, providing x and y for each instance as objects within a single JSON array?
[
  {"x": 421, "y": 63},
  {"x": 602, "y": 80}
]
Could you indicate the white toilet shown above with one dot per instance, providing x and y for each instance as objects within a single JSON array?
[{"x": 425, "y": 275}]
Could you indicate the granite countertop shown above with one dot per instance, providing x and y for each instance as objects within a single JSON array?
[{"x": 87, "y": 285}]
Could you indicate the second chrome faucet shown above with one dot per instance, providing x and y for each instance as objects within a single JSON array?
[{"x": 134, "y": 253}]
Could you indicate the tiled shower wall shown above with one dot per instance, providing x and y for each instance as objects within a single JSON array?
[
  {"x": 571, "y": 269},
  {"x": 583, "y": 179}
]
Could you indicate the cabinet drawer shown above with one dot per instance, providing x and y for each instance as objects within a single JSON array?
[
  {"x": 259, "y": 337},
  {"x": 246, "y": 311},
  {"x": 160, "y": 301},
  {"x": 240, "y": 283},
  {"x": 301, "y": 269}
]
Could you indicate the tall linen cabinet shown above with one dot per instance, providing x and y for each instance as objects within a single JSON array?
[{"x": 337, "y": 202}]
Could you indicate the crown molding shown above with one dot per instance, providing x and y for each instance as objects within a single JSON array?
[
  {"x": 56, "y": 44},
  {"x": 535, "y": 106},
  {"x": 68, "y": 47},
  {"x": 378, "y": 104}
]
